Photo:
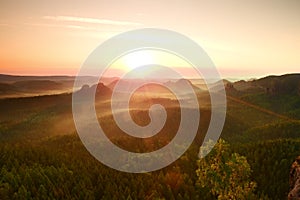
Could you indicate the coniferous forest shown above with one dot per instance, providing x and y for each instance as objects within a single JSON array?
[{"x": 42, "y": 157}]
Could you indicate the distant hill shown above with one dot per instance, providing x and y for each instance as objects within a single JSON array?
[
  {"x": 33, "y": 88},
  {"x": 153, "y": 87},
  {"x": 280, "y": 94},
  {"x": 278, "y": 85},
  {"x": 101, "y": 90},
  {"x": 179, "y": 85},
  {"x": 6, "y": 88},
  {"x": 273, "y": 85},
  {"x": 20, "y": 86},
  {"x": 12, "y": 78},
  {"x": 38, "y": 85},
  {"x": 217, "y": 86}
]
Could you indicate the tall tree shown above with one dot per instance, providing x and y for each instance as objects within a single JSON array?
[{"x": 224, "y": 174}]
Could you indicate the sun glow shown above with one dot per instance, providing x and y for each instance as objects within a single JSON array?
[{"x": 140, "y": 58}]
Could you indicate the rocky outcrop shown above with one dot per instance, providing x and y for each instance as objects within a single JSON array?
[{"x": 295, "y": 180}]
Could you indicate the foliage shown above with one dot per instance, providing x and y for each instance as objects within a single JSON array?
[
  {"x": 270, "y": 161},
  {"x": 41, "y": 156},
  {"x": 225, "y": 174}
]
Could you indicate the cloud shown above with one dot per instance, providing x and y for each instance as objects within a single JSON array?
[
  {"x": 91, "y": 20},
  {"x": 57, "y": 25},
  {"x": 4, "y": 24}
]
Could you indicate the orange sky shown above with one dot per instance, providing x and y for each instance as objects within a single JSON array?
[{"x": 245, "y": 39}]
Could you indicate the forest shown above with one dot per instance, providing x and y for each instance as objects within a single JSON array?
[{"x": 42, "y": 157}]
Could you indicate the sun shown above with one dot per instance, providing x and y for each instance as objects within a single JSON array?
[
  {"x": 132, "y": 60},
  {"x": 137, "y": 59}
]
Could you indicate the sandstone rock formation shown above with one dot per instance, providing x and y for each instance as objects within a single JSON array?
[{"x": 295, "y": 180}]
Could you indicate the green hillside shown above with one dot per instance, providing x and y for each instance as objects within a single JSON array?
[{"x": 43, "y": 158}]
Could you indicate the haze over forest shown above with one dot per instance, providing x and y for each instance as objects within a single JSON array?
[{"x": 41, "y": 144}]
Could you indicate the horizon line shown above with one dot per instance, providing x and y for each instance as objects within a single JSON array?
[{"x": 73, "y": 76}]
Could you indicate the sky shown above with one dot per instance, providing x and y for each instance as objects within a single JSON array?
[{"x": 245, "y": 39}]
